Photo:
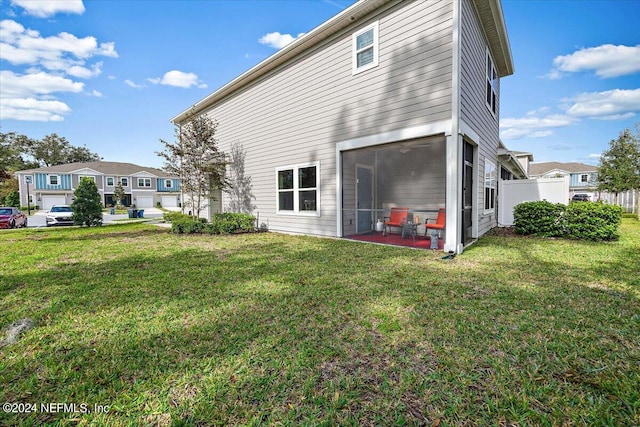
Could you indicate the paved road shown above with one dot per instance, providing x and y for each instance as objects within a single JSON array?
[{"x": 38, "y": 219}]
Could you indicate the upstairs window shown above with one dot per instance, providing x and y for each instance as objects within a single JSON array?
[
  {"x": 144, "y": 182},
  {"x": 110, "y": 181},
  {"x": 584, "y": 178},
  {"x": 365, "y": 48},
  {"x": 124, "y": 182},
  {"x": 492, "y": 85},
  {"x": 298, "y": 189},
  {"x": 53, "y": 179},
  {"x": 168, "y": 183}
]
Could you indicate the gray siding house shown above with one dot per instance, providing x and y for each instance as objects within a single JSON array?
[
  {"x": 388, "y": 104},
  {"x": 144, "y": 187}
]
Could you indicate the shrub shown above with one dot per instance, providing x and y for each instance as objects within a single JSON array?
[
  {"x": 593, "y": 221},
  {"x": 187, "y": 225},
  {"x": 12, "y": 199},
  {"x": 540, "y": 219},
  {"x": 174, "y": 216}
]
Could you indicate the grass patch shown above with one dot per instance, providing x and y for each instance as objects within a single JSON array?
[{"x": 263, "y": 328}]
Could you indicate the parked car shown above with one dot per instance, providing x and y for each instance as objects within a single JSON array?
[
  {"x": 12, "y": 218},
  {"x": 580, "y": 198},
  {"x": 60, "y": 215}
]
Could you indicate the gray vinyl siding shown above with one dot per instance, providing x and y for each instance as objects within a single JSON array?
[
  {"x": 474, "y": 110},
  {"x": 297, "y": 113}
]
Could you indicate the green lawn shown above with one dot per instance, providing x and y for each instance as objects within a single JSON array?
[{"x": 269, "y": 329}]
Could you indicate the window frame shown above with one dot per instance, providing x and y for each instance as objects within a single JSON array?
[
  {"x": 113, "y": 181},
  {"x": 585, "y": 176},
  {"x": 490, "y": 187},
  {"x": 375, "y": 27},
  {"x": 57, "y": 179},
  {"x": 124, "y": 181},
  {"x": 144, "y": 180},
  {"x": 297, "y": 190},
  {"x": 491, "y": 84},
  {"x": 168, "y": 183}
]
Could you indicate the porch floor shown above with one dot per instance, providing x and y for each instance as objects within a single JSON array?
[{"x": 396, "y": 240}]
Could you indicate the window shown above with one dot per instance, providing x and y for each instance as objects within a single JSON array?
[
  {"x": 168, "y": 183},
  {"x": 490, "y": 183},
  {"x": 365, "y": 48},
  {"x": 92, "y": 178},
  {"x": 144, "y": 182},
  {"x": 492, "y": 85},
  {"x": 110, "y": 181},
  {"x": 124, "y": 182},
  {"x": 584, "y": 178},
  {"x": 298, "y": 189},
  {"x": 53, "y": 179}
]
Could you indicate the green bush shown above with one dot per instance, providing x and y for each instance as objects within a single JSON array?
[
  {"x": 12, "y": 199},
  {"x": 593, "y": 221},
  {"x": 187, "y": 225},
  {"x": 225, "y": 223},
  {"x": 540, "y": 219},
  {"x": 174, "y": 216}
]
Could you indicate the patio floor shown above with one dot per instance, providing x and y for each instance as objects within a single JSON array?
[{"x": 396, "y": 240}]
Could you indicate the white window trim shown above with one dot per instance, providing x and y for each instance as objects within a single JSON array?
[
  {"x": 586, "y": 175},
  {"x": 168, "y": 183},
  {"x": 113, "y": 181},
  {"x": 49, "y": 179},
  {"x": 490, "y": 182},
  {"x": 354, "y": 52},
  {"x": 296, "y": 190},
  {"x": 93, "y": 178},
  {"x": 143, "y": 181},
  {"x": 489, "y": 79},
  {"x": 126, "y": 179}
]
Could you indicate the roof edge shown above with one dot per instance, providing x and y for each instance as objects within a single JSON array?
[{"x": 310, "y": 39}]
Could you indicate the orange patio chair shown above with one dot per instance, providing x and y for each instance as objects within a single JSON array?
[
  {"x": 439, "y": 224},
  {"x": 397, "y": 219}
]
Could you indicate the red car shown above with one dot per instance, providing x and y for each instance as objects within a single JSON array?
[{"x": 12, "y": 218}]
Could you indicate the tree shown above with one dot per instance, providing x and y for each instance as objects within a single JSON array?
[
  {"x": 11, "y": 160},
  {"x": 55, "y": 150},
  {"x": 13, "y": 199},
  {"x": 195, "y": 158},
  {"x": 87, "y": 206},
  {"x": 118, "y": 195},
  {"x": 619, "y": 169}
]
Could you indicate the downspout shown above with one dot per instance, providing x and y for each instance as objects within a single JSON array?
[{"x": 454, "y": 206}]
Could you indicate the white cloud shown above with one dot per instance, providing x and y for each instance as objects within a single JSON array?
[
  {"x": 46, "y": 8},
  {"x": 30, "y": 96},
  {"x": 178, "y": 79},
  {"x": 96, "y": 93},
  {"x": 30, "y": 109},
  {"x": 63, "y": 52},
  {"x": 614, "y": 104},
  {"x": 277, "y": 40},
  {"x": 532, "y": 126},
  {"x": 606, "y": 60},
  {"x": 133, "y": 84}
]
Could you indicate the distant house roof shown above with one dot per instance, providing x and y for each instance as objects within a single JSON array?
[
  {"x": 573, "y": 167},
  {"x": 105, "y": 168},
  {"x": 489, "y": 12}
]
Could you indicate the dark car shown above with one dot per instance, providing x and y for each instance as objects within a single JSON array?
[
  {"x": 580, "y": 198},
  {"x": 12, "y": 218}
]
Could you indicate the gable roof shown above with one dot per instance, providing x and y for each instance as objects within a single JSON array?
[
  {"x": 489, "y": 11},
  {"x": 573, "y": 167},
  {"x": 105, "y": 168}
]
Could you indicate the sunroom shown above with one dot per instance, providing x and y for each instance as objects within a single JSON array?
[{"x": 380, "y": 178}]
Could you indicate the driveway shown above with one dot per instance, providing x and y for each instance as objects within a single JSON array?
[{"x": 38, "y": 219}]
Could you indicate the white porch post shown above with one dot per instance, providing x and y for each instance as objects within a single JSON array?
[{"x": 453, "y": 235}]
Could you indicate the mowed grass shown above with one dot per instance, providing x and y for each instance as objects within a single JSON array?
[{"x": 270, "y": 329}]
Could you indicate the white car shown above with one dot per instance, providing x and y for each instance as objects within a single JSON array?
[{"x": 60, "y": 215}]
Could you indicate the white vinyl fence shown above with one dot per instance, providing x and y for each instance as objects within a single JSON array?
[
  {"x": 512, "y": 193},
  {"x": 628, "y": 200}
]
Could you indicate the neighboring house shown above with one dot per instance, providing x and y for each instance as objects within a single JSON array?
[
  {"x": 144, "y": 187},
  {"x": 390, "y": 103},
  {"x": 583, "y": 178},
  {"x": 513, "y": 164}
]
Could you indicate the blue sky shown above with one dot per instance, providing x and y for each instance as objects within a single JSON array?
[{"x": 110, "y": 74}]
